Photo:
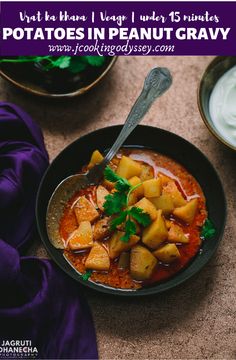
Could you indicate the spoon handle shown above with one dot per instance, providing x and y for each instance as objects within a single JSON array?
[{"x": 156, "y": 83}]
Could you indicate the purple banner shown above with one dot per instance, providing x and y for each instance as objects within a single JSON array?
[{"x": 118, "y": 28}]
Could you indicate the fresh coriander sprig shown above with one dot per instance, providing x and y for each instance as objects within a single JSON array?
[
  {"x": 121, "y": 183},
  {"x": 140, "y": 216},
  {"x": 117, "y": 204},
  {"x": 117, "y": 201},
  {"x": 74, "y": 64},
  {"x": 208, "y": 230}
]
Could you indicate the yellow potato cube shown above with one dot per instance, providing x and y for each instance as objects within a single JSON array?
[
  {"x": 137, "y": 193},
  {"x": 164, "y": 203},
  {"x": 85, "y": 211},
  {"x": 108, "y": 184},
  {"x": 171, "y": 189},
  {"x": 81, "y": 238},
  {"x": 152, "y": 188},
  {"x": 168, "y": 223},
  {"x": 187, "y": 212},
  {"x": 147, "y": 172},
  {"x": 128, "y": 168},
  {"x": 147, "y": 207},
  {"x": 142, "y": 263},
  {"x": 132, "y": 199},
  {"x": 117, "y": 246},
  {"x": 164, "y": 179},
  {"x": 135, "y": 180},
  {"x": 156, "y": 233},
  {"x": 167, "y": 253},
  {"x": 96, "y": 158},
  {"x": 176, "y": 234},
  {"x": 101, "y": 229},
  {"x": 101, "y": 193},
  {"x": 124, "y": 260},
  {"x": 98, "y": 258}
]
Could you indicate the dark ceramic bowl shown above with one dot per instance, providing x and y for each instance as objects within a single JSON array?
[
  {"x": 56, "y": 83},
  {"x": 213, "y": 72},
  {"x": 77, "y": 154}
]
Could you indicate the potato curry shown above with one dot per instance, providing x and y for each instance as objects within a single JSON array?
[{"x": 140, "y": 225}]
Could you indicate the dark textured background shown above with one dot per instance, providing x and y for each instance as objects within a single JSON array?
[{"x": 196, "y": 320}]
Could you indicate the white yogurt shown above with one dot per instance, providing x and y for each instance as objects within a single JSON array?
[{"x": 222, "y": 106}]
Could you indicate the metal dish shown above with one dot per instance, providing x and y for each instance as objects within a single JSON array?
[
  {"x": 25, "y": 81},
  {"x": 213, "y": 72}
]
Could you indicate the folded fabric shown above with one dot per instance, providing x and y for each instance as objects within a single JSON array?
[{"x": 39, "y": 306}]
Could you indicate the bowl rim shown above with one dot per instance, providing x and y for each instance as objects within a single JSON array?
[
  {"x": 212, "y": 130},
  {"x": 164, "y": 286},
  {"x": 77, "y": 92}
]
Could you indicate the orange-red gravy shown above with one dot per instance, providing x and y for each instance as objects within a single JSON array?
[{"x": 121, "y": 278}]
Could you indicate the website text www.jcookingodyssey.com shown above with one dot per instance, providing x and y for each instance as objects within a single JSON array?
[{"x": 100, "y": 48}]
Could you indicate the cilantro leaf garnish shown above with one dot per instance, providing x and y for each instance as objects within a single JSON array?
[
  {"x": 114, "y": 203},
  {"x": 86, "y": 275},
  {"x": 130, "y": 229},
  {"x": 77, "y": 66},
  {"x": 62, "y": 62},
  {"x": 117, "y": 204},
  {"x": 118, "y": 220},
  {"x": 95, "y": 60},
  {"x": 111, "y": 176},
  {"x": 140, "y": 216},
  {"x": 122, "y": 185},
  {"x": 208, "y": 230}
]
